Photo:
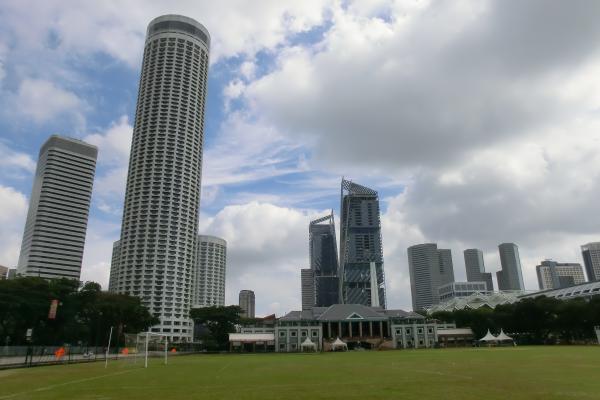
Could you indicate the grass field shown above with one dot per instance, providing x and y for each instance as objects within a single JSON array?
[{"x": 494, "y": 373}]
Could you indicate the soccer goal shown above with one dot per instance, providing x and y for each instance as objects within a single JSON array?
[
  {"x": 140, "y": 346},
  {"x": 597, "y": 329}
]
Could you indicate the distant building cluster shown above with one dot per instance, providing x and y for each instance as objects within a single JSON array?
[
  {"x": 434, "y": 289},
  {"x": 359, "y": 277}
]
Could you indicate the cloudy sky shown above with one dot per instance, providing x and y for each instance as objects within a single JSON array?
[{"x": 478, "y": 122}]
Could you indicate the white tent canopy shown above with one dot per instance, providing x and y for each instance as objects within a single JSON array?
[
  {"x": 308, "y": 344},
  {"x": 503, "y": 336},
  {"x": 489, "y": 337},
  {"x": 338, "y": 344}
]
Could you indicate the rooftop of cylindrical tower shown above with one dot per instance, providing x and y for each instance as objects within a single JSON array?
[{"x": 172, "y": 22}]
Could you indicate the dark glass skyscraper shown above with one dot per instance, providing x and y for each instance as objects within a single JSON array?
[
  {"x": 324, "y": 261},
  {"x": 362, "y": 278},
  {"x": 160, "y": 217}
]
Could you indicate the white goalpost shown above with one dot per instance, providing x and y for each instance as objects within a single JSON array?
[{"x": 145, "y": 345}]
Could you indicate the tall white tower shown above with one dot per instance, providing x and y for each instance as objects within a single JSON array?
[
  {"x": 59, "y": 207},
  {"x": 209, "y": 281},
  {"x": 160, "y": 216}
]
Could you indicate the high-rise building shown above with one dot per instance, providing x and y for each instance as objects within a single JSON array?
[
  {"x": 555, "y": 275},
  {"x": 429, "y": 268},
  {"x": 476, "y": 268},
  {"x": 446, "y": 266},
  {"x": 3, "y": 272},
  {"x": 114, "y": 266},
  {"x": 510, "y": 277},
  {"x": 591, "y": 260},
  {"x": 59, "y": 207},
  {"x": 307, "y": 287},
  {"x": 362, "y": 278},
  {"x": 324, "y": 261},
  {"x": 160, "y": 215},
  {"x": 246, "y": 303},
  {"x": 209, "y": 280}
]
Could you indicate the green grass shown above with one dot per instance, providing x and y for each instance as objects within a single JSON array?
[{"x": 486, "y": 373}]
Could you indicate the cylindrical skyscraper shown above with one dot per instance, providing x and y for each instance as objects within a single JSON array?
[
  {"x": 209, "y": 281},
  {"x": 160, "y": 215}
]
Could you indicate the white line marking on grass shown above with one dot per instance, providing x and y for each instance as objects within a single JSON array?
[
  {"x": 424, "y": 371},
  {"x": 221, "y": 370},
  {"x": 10, "y": 396}
]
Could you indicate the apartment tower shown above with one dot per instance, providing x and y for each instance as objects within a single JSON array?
[
  {"x": 211, "y": 265},
  {"x": 160, "y": 215},
  {"x": 555, "y": 275},
  {"x": 429, "y": 268},
  {"x": 476, "y": 268},
  {"x": 247, "y": 303},
  {"x": 510, "y": 277},
  {"x": 591, "y": 260},
  {"x": 59, "y": 208}
]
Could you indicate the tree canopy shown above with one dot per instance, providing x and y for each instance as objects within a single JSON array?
[
  {"x": 219, "y": 323},
  {"x": 533, "y": 320},
  {"x": 84, "y": 314}
]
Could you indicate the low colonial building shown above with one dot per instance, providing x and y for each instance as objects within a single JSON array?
[{"x": 357, "y": 325}]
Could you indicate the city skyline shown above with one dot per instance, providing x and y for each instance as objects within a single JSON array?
[{"x": 271, "y": 160}]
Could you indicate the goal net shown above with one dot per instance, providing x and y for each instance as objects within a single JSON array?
[{"x": 141, "y": 346}]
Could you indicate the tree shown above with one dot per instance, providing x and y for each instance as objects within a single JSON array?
[
  {"x": 85, "y": 314},
  {"x": 219, "y": 321}
]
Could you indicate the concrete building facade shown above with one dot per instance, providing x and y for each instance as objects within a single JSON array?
[
  {"x": 362, "y": 278},
  {"x": 357, "y": 325},
  {"x": 160, "y": 216},
  {"x": 446, "y": 266},
  {"x": 555, "y": 275},
  {"x": 307, "y": 288},
  {"x": 59, "y": 206},
  {"x": 209, "y": 276},
  {"x": 3, "y": 272},
  {"x": 247, "y": 303},
  {"x": 114, "y": 266},
  {"x": 460, "y": 289},
  {"x": 429, "y": 268},
  {"x": 591, "y": 260},
  {"x": 511, "y": 276},
  {"x": 475, "y": 268}
]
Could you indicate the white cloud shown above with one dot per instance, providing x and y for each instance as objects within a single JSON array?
[
  {"x": 118, "y": 29},
  {"x": 14, "y": 163},
  {"x": 98, "y": 251},
  {"x": 12, "y": 222},
  {"x": 43, "y": 101},
  {"x": 114, "y": 146},
  {"x": 247, "y": 151},
  {"x": 267, "y": 246}
]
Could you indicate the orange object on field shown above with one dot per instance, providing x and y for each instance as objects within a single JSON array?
[
  {"x": 173, "y": 350},
  {"x": 125, "y": 351},
  {"x": 59, "y": 353}
]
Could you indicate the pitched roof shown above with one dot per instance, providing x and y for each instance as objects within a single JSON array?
[{"x": 339, "y": 312}]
